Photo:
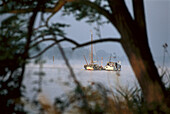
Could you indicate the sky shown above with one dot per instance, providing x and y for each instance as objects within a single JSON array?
[
  {"x": 157, "y": 14},
  {"x": 158, "y": 24}
]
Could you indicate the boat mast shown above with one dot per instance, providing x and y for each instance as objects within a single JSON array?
[
  {"x": 91, "y": 48},
  {"x": 102, "y": 61},
  {"x": 110, "y": 58},
  {"x": 85, "y": 60}
]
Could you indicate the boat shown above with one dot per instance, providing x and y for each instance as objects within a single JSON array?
[
  {"x": 113, "y": 66},
  {"x": 92, "y": 65}
]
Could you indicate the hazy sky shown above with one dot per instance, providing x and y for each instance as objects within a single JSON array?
[{"x": 158, "y": 26}]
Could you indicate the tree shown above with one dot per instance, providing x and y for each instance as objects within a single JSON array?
[
  {"x": 134, "y": 39},
  {"x": 17, "y": 39}
]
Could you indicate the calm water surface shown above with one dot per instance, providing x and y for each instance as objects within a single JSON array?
[{"x": 57, "y": 79}]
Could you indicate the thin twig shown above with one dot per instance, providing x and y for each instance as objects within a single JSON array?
[
  {"x": 78, "y": 84},
  {"x": 40, "y": 41},
  {"x": 42, "y": 51}
]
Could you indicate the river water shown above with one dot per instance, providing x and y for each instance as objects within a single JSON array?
[{"x": 57, "y": 79}]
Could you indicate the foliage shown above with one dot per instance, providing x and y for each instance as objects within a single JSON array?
[
  {"x": 18, "y": 37},
  {"x": 12, "y": 39},
  {"x": 28, "y": 5},
  {"x": 11, "y": 94},
  {"x": 16, "y": 45},
  {"x": 82, "y": 10},
  {"x": 103, "y": 100}
]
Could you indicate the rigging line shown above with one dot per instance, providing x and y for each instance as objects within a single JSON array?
[
  {"x": 164, "y": 47},
  {"x": 94, "y": 50},
  {"x": 89, "y": 54},
  {"x": 168, "y": 53},
  {"x": 166, "y": 39}
]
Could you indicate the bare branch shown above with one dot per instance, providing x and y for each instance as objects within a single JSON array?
[
  {"x": 73, "y": 42},
  {"x": 76, "y": 43},
  {"x": 57, "y": 41},
  {"x": 98, "y": 41},
  {"x": 41, "y": 26},
  {"x": 78, "y": 84}
]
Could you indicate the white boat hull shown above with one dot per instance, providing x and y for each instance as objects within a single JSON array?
[
  {"x": 109, "y": 68},
  {"x": 89, "y": 68}
]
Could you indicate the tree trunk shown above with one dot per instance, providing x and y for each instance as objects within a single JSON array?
[
  {"x": 135, "y": 43},
  {"x": 146, "y": 72}
]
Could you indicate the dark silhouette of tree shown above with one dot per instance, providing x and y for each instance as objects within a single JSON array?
[{"x": 18, "y": 36}]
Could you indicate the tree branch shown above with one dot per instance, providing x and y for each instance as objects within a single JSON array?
[
  {"x": 73, "y": 42},
  {"x": 51, "y": 39},
  {"x": 30, "y": 29},
  {"x": 57, "y": 7},
  {"x": 57, "y": 41},
  {"x": 78, "y": 84},
  {"x": 43, "y": 40},
  {"x": 98, "y": 41},
  {"x": 101, "y": 10},
  {"x": 35, "y": 56}
]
